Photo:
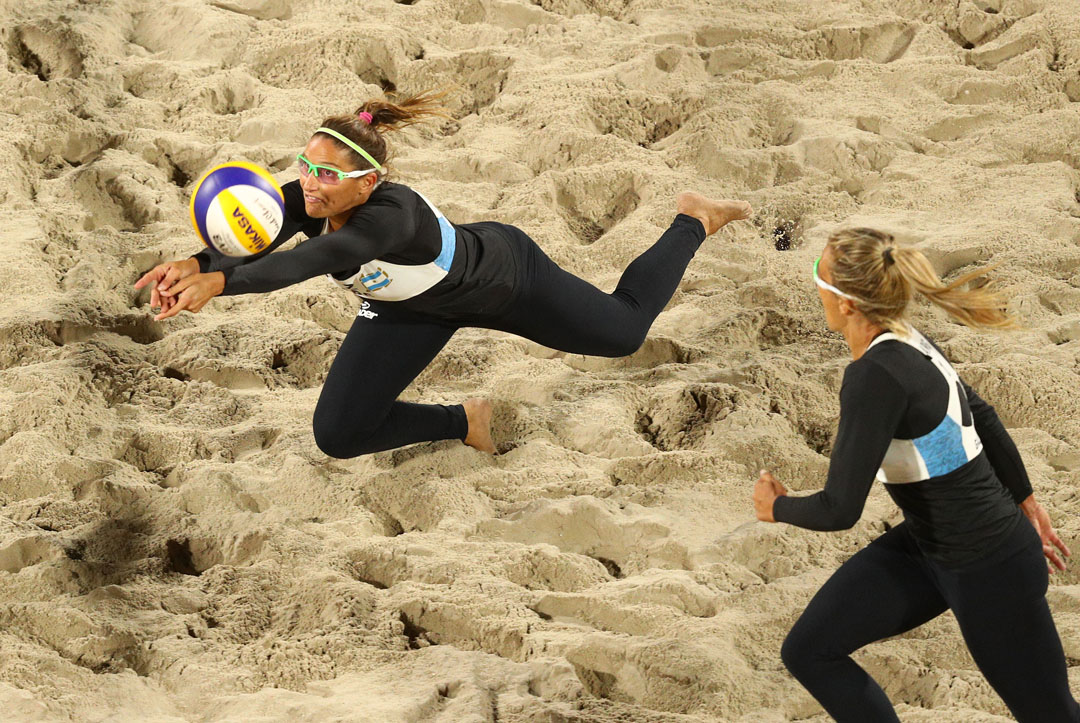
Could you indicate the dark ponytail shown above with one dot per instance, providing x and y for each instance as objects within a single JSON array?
[{"x": 366, "y": 126}]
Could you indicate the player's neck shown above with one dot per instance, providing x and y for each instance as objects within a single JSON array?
[
  {"x": 859, "y": 332},
  {"x": 336, "y": 222}
]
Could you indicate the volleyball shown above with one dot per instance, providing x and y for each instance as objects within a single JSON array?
[{"x": 237, "y": 209}]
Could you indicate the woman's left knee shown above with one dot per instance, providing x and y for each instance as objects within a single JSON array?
[{"x": 624, "y": 344}]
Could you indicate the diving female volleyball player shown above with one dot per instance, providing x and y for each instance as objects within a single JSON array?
[
  {"x": 421, "y": 278},
  {"x": 970, "y": 540}
]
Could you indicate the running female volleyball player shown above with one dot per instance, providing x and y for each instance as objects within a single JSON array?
[{"x": 970, "y": 540}]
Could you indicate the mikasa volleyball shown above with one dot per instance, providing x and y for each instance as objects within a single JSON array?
[{"x": 237, "y": 208}]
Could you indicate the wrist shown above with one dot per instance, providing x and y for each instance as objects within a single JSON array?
[
  {"x": 1029, "y": 504},
  {"x": 772, "y": 508}
]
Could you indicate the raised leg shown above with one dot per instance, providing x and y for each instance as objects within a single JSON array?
[{"x": 561, "y": 311}]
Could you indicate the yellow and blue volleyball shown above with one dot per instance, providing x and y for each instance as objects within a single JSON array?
[{"x": 237, "y": 209}]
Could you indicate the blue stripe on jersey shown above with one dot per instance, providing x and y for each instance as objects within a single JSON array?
[
  {"x": 449, "y": 243},
  {"x": 376, "y": 287},
  {"x": 942, "y": 449}
]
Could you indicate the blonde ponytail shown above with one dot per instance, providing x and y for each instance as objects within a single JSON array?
[
  {"x": 882, "y": 275},
  {"x": 979, "y": 307}
]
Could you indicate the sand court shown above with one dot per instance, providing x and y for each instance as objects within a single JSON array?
[{"x": 174, "y": 546}]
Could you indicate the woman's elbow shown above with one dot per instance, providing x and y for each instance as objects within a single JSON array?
[
  {"x": 846, "y": 522},
  {"x": 844, "y": 519}
]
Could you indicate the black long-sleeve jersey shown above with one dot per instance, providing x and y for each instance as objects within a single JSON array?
[
  {"x": 397, "y": 246},
  {"x": 908, "y": 420}
]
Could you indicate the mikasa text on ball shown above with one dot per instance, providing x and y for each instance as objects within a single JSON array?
[{"x": 237, "y": 208}]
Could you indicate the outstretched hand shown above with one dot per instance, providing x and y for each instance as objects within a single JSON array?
[
  {"x": 163, "y": 276},
  {"x": 766, "y": 490},
  {"x": 1040, "y": 520},
  {"x": 191, "y": 293}
]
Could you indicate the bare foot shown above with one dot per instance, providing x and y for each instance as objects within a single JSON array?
[
  {"x": 478, "y": 412},
  {"x": 714, "y": 215}
]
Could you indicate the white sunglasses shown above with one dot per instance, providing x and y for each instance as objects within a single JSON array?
[{"x": 829, "y": 287}]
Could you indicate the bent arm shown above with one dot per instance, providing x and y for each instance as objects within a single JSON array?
[
  {"x": 872, "y": 404},
  {"x": 1000, "y": 449}
]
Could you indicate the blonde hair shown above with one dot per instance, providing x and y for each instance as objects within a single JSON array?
[
  {"x": 382, "y": 116},
  {"x": 883, "y": 275}
]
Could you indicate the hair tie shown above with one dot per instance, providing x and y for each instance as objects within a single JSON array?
[
  {"x": 365, "y": 116},
  {"x": 887, "y": 256}
]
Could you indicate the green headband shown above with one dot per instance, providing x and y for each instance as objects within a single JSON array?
[{"x": 350, "y": 144}]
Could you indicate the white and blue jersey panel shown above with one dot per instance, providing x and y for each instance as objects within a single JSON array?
[
  {"x": 951, "y": 445},
  {"x": 385, "y": 281}
]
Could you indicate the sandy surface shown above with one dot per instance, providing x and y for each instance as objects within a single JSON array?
[{"x": 174, "y": 547}]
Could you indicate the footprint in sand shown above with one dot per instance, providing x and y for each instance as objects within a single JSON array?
[
  {"x": 978, "y": 92},
  {"x": 259, "y": 9},
  {"x": 193, "y": 32},
  {"x": 48, "y": 49},
  {"x": 656, "y": 351},
  {"x": 878, "y": 42},
  {"x": 228, "y": 93},
  {"x": 615, "y": 606},
  {"x": 1024, "y": 36},
  {"x": 27, "y": 551},
  {"x": 573, "y": 8},
  {"x": 384, "y": 563},
  {"x": 122, "y": 191},
  {"x": 589, "y": 212},
  {"x": 140, "y": 328},
  {"x": 624, "y": 540},
  {"x": 641, "y": 118},
  {"x": 956, "y": 127}
]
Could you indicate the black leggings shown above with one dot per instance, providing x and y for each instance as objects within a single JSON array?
[
  {"x": 891, "y": 587},
  {"x": 358, "y": 412}
]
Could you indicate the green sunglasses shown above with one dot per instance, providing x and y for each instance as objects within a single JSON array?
[
  {"x": 829, "y": 287},
  {"x": 326, "y": 174}
]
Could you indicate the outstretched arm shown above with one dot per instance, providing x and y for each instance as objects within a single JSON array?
[
  {"x": 366, "y": 236},
  {"x": 373, "y": 230},
  {"x": 164, "y": 276},
  {"x": 346, "y": 248},
  {"x": 872, "y": 404},
  {"x": 350, "y": 247}
]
